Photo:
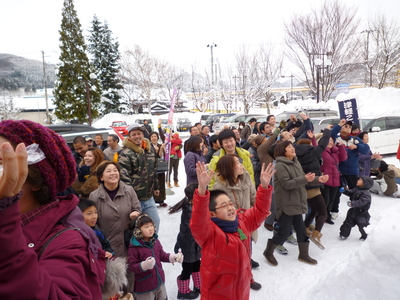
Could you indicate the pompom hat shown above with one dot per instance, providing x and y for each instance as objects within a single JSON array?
[{"x": 58, "y": 169}]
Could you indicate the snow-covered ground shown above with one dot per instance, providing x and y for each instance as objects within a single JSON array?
[{"x": 348, "y": 269}]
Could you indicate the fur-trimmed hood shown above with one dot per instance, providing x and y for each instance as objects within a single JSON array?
[{"x": 127, "y": 143}]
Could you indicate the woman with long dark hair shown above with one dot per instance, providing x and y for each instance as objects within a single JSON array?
[
  {"x": 160, "y": 151},
  {"x": 190, "y": 249}
]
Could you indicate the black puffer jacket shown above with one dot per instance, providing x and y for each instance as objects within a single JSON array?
[
  {"x": 185, "y": 240},
  {"x": 310, "y": 156}
]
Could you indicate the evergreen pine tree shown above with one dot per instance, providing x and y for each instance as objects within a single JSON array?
[
  {"x": 70, "y": 91},
  {"x": 104, "y": 57}
]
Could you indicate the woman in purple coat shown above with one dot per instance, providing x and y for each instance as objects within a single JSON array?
[
  {"x": 331, "y": 157},
  {"x": 194, "y": 153}
]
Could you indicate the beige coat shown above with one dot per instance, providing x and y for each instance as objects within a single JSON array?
[
  {"x": 242, "y": 195},
  {"x": 114, "y": 215}
]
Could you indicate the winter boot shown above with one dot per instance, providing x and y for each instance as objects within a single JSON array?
[
  {"x": 269, "y": 253},
  {"x": 196, "y": 281},
  {"x": 169, "y": 184},
  {"x": 303, "y": 254},
  {"x": 254, "y": 285},
  {"x": 176, "y": 184},
  {"x": 184, "y": 292}
]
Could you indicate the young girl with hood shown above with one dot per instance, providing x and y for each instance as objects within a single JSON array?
[{"x": 145, "y": 255}]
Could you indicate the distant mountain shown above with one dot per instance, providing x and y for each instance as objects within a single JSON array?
[{"x": 17, "y": 72}]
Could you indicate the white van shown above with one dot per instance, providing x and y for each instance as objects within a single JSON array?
[{"x": 383, "y": 132}]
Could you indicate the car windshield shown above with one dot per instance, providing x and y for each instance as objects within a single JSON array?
[
  {"x": 229, "y": 120},
  {"x": 117, "y": 124},
  {"x": 164, "y": 121},
  {"x": 315, "y": 121},
  {"x": 364, "y": 122},
  {"x": 183, "y": 121}
]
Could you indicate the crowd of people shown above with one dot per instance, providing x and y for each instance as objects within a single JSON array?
[{"x": 70, "y": 221}]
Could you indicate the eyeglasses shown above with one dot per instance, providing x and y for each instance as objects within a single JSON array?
[
  {"x": 225, "y": 205},
  {"x": 346, "y": 126}
]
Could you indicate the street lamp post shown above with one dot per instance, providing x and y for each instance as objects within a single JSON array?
[
  {"x": 291, "y": 85},
  {"x": 212, "y": 45},
  {"x": 321, "y": 64}
]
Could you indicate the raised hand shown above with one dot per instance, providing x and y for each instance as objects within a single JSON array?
[
  {"x": 15, "y": 169},
  {"x": 204, "y": 176},
  {"x": 266, "y": 174}
]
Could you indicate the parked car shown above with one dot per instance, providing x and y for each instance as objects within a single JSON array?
[
  {"x": 312, "y": 112},
  {"x": 233, "y": 121},
  {"x": 383, "y": 132},
  {"x": 320, "y": 123},
  {"x": 120, "y": 126},
  {"x": 203, "y": 119},
  {"x": 214, "y": 119},
  {"x": 70, "y": 131},
  {"x": 183, "y": 124}
]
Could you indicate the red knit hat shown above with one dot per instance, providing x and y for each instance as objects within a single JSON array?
[{"x": 58, "y": 169}]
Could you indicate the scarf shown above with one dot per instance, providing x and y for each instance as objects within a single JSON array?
[{"x": 227, "y": 226}]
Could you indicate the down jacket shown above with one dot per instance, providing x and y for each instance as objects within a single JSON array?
[
  {"x": 350, "y": 165},
  {"x": 139, "y": 250},
  {"x": 139, "y": 168},
  {"x": 310, "y": 157},
  {"x": 330, "y": 164},
  {"x": 289, "y": 183},
  {"x": 114, "y": 215},
  {"x": 71, "y": 267},
  {"x": 185, "y": 241},
  {"x": 225, "y": 263}
]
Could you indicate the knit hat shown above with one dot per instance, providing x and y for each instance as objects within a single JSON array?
[
  {"x": 175, "y": 135},
  {"x": 139, "y": 222},
  {"x": 258, "y": 140},
  {"x": 58, "y": 169}
]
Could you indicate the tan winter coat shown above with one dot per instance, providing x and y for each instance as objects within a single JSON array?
[
  {"x": 242, "y": 195},
  {"x": 114, "y": 215}
]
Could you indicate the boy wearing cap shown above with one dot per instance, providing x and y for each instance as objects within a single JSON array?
[{"x": 139, "y": 163}]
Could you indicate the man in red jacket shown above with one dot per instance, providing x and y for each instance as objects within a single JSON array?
[{"x": 225, "y": 237}]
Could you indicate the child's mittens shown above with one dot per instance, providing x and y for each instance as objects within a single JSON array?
[
  {"x": 178, "y": 257},
  {"x": 349, "y": 204},
  {"x": 148, "y": 263}
]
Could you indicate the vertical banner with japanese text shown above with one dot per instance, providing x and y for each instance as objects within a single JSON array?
[
  {"x": 348, "y": 110},
  {"x": 169, "y": 127}
]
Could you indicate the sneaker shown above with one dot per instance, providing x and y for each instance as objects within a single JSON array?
[
  {"x": 291, "y": 239},
  {"x": 254, "y": 264},
  {"x": 268, "y": 227},
  {"x": 334, "y": 215},
  {"x": 342, "y": 237},
  {"x": 329, "y": 221},
  {"x": 281, "y": 250},
  {"x": 254, "y": 285}
]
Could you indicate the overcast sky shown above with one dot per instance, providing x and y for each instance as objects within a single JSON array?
[{"x": 177, "y": 30}]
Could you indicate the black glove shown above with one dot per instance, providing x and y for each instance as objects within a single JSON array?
[{"x": 83, "y": 173}]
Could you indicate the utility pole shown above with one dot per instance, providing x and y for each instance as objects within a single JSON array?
[{"x": 48, "y": 120}]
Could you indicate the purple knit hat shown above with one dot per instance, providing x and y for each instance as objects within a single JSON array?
[{"x": 58, "y": 169}]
